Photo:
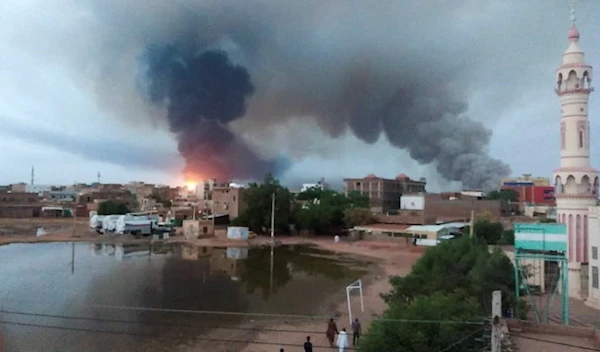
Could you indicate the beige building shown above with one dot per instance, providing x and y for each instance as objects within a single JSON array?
[
  {"x": 193, "y": 229},
  {"x": 384, "y": 194},
  {"x": 229, "y": 200}
]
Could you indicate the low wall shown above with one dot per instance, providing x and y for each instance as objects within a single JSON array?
[
  {"x": 460, "y": 208},
  {"x": 384, "y": 238},
  {"x": 405, "y": 217},
  {"x": 515, "y": 325}
]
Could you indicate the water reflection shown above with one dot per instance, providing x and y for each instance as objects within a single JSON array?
[{"x": 71, "y": 279}]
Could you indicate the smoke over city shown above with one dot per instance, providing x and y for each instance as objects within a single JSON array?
[
  {"x": 202, "y": 93},
  {"x": 210, "y": 64}
]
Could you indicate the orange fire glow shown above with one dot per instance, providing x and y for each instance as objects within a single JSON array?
[{"x": 191, "y": 186}]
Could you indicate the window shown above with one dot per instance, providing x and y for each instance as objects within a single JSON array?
[
  {"x": 595, "y": 277},
  {"x": 205, "y": 229},
  {"x": 594, "y": 252},
  {"x": 580, "y": 139}
]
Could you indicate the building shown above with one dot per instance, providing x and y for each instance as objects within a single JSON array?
[
  {"x": 432, "y": 233},
  {"x": 525, "y": 180},
  {"x": 384, "y": 194},
  {"x": 431, "y": 209},
  {"x": 576, "y": 182},
  {"x": 90, "y": 199},
  {"x": 321, "y": 184},
  {"x": 229, "y": 200},
  {"x": 593, "y": 298},
  {"x": 19, "y": 205},
  {"x": 531, "y": 190}
]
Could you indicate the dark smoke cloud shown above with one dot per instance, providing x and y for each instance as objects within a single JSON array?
[
  {"x": 202, "y": 93},
  {"x": 353, "y": 67}
]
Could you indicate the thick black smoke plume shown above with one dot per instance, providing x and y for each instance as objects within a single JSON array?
[
  {"x": 202, "y": 93},
  {"x": 399, "y": 71}
]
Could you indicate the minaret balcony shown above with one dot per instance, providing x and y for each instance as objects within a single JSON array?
[
  {"x": 576, "y": 196},
  {"x": 573, "y": 91}
]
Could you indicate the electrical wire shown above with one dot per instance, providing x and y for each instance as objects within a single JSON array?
[
  {"x": 155, "y": 323},
  {"x": 555, "y": 342},
  {"x": 266, "y": 315},
  {"x": 462, "y": 339},
  {"x": 96, "y": 331}
]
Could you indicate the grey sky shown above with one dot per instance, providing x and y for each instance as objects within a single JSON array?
[{"x": 70, "y": 107}]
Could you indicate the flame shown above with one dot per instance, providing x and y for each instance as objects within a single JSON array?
[{"x": 191, "y": 186}]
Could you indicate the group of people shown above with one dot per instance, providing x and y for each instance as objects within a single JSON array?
[{"x": 342, "y": 340}]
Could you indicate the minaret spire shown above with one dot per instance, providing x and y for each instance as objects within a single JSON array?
[{"x": 572, "y": 8}]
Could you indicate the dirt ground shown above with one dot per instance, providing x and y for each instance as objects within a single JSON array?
[{"x": 394, "y": 259}]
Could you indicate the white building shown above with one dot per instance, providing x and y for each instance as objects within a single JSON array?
[
  {"x": 39, "y": 189},
  {"x": 412, "y": 202},
  {"x": 594, "y": 241},
  {"x": 576, "y": 181}
]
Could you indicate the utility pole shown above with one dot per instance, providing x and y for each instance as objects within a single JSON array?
[
  {"x": 213, "y": 216},
  {"x": 72, "y": 257},
  {"x": 496, "y": 333},
  {"x": 273, "y": 217},
  {"x": 472, "y": 223}
]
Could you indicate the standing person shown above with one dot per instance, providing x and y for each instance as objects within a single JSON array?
[
  {"x": 331, "y": 331},
  {"x": 342, "y": 341},
  {"x": 356, "y": 331},
  {"x": 308, "y": 345}
]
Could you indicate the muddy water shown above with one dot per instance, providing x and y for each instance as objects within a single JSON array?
[{"x": 49, "y": 288}]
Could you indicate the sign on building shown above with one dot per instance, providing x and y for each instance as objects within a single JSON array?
[{"x": 541, "y": 237}]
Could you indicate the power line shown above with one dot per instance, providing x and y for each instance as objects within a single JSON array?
[
  {"x": 268, "y": 315},
  {"x": 96, "y": 331},
  {"x": 462, "y": 339},
  {"x": 556, "y": 343},
  {"x": 155, "y": 323}
]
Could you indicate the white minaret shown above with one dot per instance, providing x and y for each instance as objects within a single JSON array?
[{"x": 576, "y": 181}]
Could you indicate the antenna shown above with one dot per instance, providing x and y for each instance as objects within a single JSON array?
[
  {"x": 32, "y": 175},
  {"x": 572, "y": 4},
  {"x": 98, "y": 175}
]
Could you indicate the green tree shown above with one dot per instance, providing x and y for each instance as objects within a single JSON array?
[
  {"x": 458, "y": 264},
  {"x": 508, "y": 237},
  {"x": 457, "y": 306},
  {"x": 324, "y": 210},
  {"x": 490, "y": 231},
  {"x": 112, "y": 207},
  {"x": 259, "y": 202},
  {"x": 358, "y": 216},
  {"x": 358, "y": 200},
  {"x": 503, "y": 194}
]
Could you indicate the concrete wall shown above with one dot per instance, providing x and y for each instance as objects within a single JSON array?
[
  {"x": 20, "y": 211},
  {"x": 412, "y": 202},
  {"x": 195, "y": 228},
  {"x": 556, "y": 330},
  {"x": 460, "y": 208},
  {"x": 229, "y": 200},
  {"x": 408, "y": 217},
  {"x": 593, "y": 255}
]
